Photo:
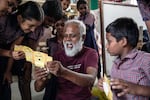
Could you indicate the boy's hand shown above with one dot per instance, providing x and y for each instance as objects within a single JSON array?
[
  {"x": 123, "y": 87},
  {"x": 40, "y": 73},
  {"x": 100, "y": 84}
]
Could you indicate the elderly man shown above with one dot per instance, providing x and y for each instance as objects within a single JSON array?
[{"x": 75, "y": 67}]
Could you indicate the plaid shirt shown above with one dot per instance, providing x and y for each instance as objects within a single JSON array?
[{"x": 135, "y": 68}]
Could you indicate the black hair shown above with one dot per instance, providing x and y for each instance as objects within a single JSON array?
[
  {"x": 79, "y": 2},
  {"x": 146, "y": 47},
  {"x": 124, "y": 28},
  {"x": 52, "y": 8},
  {"x": 64, "y": 17},
  {"x": 147, "y": 2},
  {"x": 19, "y": 1},
  {"x": 31, "y": 10}
]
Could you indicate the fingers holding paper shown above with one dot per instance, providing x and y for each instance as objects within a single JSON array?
[
  {"x": 100, "y": 84},
  {"x": 121, "y": 86},
  {"x": 17, "y": 55},
  {"x": 54, "y": 67},
  {"x": 40, "y": 73}
]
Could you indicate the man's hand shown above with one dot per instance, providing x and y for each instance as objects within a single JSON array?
[{"x": 55, "y": 67}]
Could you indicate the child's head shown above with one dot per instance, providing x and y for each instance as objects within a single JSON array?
[
  {"x": 30, "y": 15},
  {"x": 121, "y": 33},
  {"x": 53, "y": 12},
  {"x": 59, "y": 25},
  {"x": 65, "y": 4},
  {"x": 82, "y": 7}
]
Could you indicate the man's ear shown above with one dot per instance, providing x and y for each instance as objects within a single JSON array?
[
  {"x": 20, "y": 19},
  {"x": 83, "y": 37}
]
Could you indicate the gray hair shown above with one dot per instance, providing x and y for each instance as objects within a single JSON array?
[{"x": 80, "y": 24}]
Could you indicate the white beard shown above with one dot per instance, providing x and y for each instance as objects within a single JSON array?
[{"x": 76, "y": 48}]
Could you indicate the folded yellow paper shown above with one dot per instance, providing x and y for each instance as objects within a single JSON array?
[
  {"x": 35, "y": 57},
  {"x": 107, "y": 88}
]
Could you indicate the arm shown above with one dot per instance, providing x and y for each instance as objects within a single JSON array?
[
  {"x": 10, "y": 60},
  {"x": 40, "y": 78},
  {"x": 7, "y": 75},
  {"x": 129, "y": 88},
  {"x": 80, "y": 79},
  {"x": 14, "y": 54},
  {"x": 7, "y": 53}
]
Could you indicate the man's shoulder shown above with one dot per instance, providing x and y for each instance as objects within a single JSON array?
[
  {"x": 87, "y": 49},
  {"x": 60, "y": 53}
]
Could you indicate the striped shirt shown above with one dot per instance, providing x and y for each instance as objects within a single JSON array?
[{"x": 135, "y": 68}]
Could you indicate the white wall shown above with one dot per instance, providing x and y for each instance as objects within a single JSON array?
[{"x": 111, "y": 12}]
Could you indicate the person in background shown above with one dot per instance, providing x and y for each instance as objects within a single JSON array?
[
  {"x": 130, "y": 77},
  {"x": 88, "y": 19},
  {"x": 6, "y": 7},
  {"x": 65, "y": 4},
  {"x": 55, "y": 44},
  {"x": 53, "y": 12},
  {"x": 75, "y": 67},
  {"x": 144, "y": 7},
  {"x": 18, "y": 27}
]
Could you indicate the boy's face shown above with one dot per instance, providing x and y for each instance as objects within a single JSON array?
[
  {"x": 83, "y": 8},
  {"x": 114, "y": 48},
  {"x": 59, "y": 25}
]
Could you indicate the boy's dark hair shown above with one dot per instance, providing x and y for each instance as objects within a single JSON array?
[
  {"x": 79, "y": 2},
  {"x": 124, "y": 28},
  {"x": 31, "y": 10},
  {"x": 52, "y": 8}
]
